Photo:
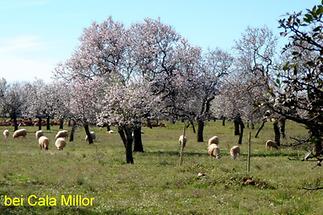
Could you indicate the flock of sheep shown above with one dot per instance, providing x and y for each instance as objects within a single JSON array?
[
  {"x": 43, "y": 141},
  {"x": 213, "y": 149}
]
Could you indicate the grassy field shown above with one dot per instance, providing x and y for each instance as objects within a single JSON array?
[{"x": 155, "y": 184}]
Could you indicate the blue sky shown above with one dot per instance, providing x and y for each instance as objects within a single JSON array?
[{"x": 38, "y": 34}]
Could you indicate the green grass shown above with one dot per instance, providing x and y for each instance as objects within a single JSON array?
[{"x": 155, "y": 184}]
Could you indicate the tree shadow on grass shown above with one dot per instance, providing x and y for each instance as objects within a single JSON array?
[
  {"x": 173, "y": 153},
  {"x": 201, "y": 154}
]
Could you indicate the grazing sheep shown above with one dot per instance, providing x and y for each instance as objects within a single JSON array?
[
  {"x": 271, "y": 144},
  {"x": 62, "y": 133},
  {"x": 19, "y": 133},
  {"x": 182, "y": 141},
  {"x": 234, "y": 152},
  {"x": 213, "y": 140},
  {"x": 38, "y": 134},
  {"x": 92, "y": 135},
  {"x": 43, "y": 142},
  {"x": 111, "y": 131},
  {"x": 214, "y": 150},
  {"x": 5, "y": 135},
  {"x": 60, "y": 143}
]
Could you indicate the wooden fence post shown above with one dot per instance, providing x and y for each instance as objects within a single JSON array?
[{"x": 249, "y": 153}]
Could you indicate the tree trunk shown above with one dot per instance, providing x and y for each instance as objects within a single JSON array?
[
  {"x": 277, "y": 132},
  {"x": 251, "y": 122},
  {"x": 108, "y": 127},
  {"x": 73, "y": 124},
  {"x": 15, "y": 123},
  {"x": 241, "y": 126},
  {"x": 223, "y": 121},
  {"x": 193, "y": 127},
  {"x": 236, "y": 127},
  {"x": 200, "y": 128},
  {"x": 261, "y": 127},
  {"x": 39, "y": 123},
  {"x": 282, "y": 123},
  {"x": 87, "y": 132},
  {"x": 122, "y": 136},
  {"x": 138, "y": 147},
  {"x": 48, "y": 123},
  {"x": 129, "y": 157},
  {"x": 317, "y": 140},
  {"x": 149, "y": 123},
  {"x": 61, "y": 123}
]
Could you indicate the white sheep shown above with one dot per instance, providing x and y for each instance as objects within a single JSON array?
[
  {"x": 182, "y": 141},
  {"x": 111, "y": 131},
  {"x": 214, "y": 150},
  {"x": 92, "y": 135},
  {"x": 213, "y": 140},
  {"x": 38, "y": 134},
  {"x": 5, "y": 135},
  {"x": 234, "y": 152},
  {"x": 43, "y": 142},
  {"x": 20, "y": 133},
  {"x": 62, "y": 133},
  {"x": 271, "y": 144},
  {"x": 60, "y": 143}
]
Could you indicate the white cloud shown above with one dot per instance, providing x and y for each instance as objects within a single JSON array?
[{"x": 20, "y": 44}]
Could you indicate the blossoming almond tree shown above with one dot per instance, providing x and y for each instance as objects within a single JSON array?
[
  {"x": 213, "y": 67},
  {"x": 14, "y": 97},
  {"x": 126, "y": 107},
  {"x": 100, "y": 56},
  {"x": 84, "y": 102},
  {"x": 167, "y": 62}
]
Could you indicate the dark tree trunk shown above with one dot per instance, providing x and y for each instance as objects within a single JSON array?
[
  {"x": 282, "y": 123},
  {"x": 200, "y": 128},
  {"x": 108, "y": 127},
  {"x": 69, "y": 123},
  {"x": 251, "y": 122},
  {"x": 73, "y": 124},
  {"x": 61, "y": 123},
  {"x": 193, "y": 127},
  {"x": 149, "y": 123},
  {"x": 87, "y": 132},
  {"x": 223, "y": 121},
  {"x": 261, "y": 127},
  {"x": 236, "y": 127},
  {"x": 138, "y": 147},
  {"x": 241, "y": 126},
  {"x": 277, "y": 133},
  {"x": 48, "y": 123},
  {"x": 129, "y": 157},
  {"x": 39, "y": 123},
  {"x": 15, "y": 123},
  {"x": 122, "y": 136},
  {"x": 317, "y": 140}
]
